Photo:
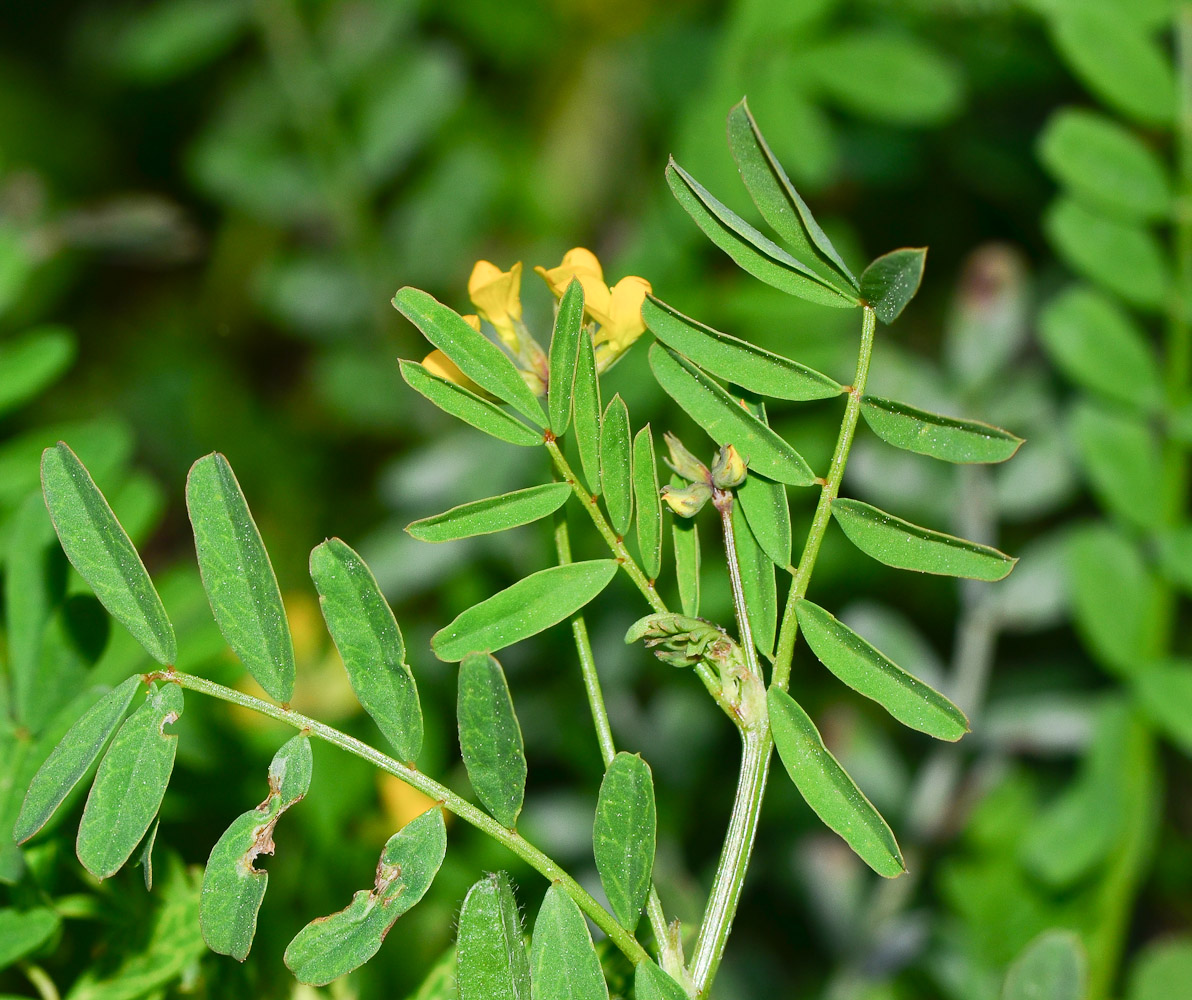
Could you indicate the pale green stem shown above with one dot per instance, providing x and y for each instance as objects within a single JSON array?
[
  {"x": 41, "y": 982},
  {"x": 604, "y": 729},
  {"x": 723, "y": 501},
  {"x": 452, "y": 802},
  {"x": 625, "y": 559},
  {"x": 758, "y": 742}
]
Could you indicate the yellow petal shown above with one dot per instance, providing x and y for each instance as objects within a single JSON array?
[
  {"x": 473, "y": 321},
  {"x": 437, "y": 363},
  {"x": 625, "y": 311},
  {"x": 496, "y": 294},
  {"x": 577, "y": 263}
]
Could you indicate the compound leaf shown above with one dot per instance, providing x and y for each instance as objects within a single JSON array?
[
  {"x": 564, "y": 353},
  {"x": 130, "y": 783},
  {"x": 892, "y": 280},
  {"x": 624, "y": 835},
  {"x": 752, "y": 251},
  {"x": 71, "y": 758},
  {"x": 467, "y": 406},
  {"x": 473, "y": 353},
  {"x": 726, "y": 420},
  {"x": 539, "y": 601},
  {"x": 734, "y": 360},
  {"x": 563, "y": 962},
  {"x": 233, "y": 888},
  {"x": 491, "y": 958},
  {"x": 370, "y": 644},
  {"x": 332, "y": 946},
  {"x": 947, "y": 438},
  {"x": 483, "y": 517},
  {"x": 866, "y": 670},
  {"x": 825, "y": 786},
  {"x": 238, "y": 576},
  {"x": 759, "y": 582},
  {"x": 685, "y": 537},
  {"x": 100, "y": 549},
  {"x": 903, "y": 545},
  {"x": 616, "y": 460},
  {"x": 490, "y": 738}
]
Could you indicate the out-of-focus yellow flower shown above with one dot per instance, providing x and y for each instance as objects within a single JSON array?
[
  {"x": 617, "y": 310},
  {"x": 437, "y": 363},
  {"x": 496, "y": 294}
]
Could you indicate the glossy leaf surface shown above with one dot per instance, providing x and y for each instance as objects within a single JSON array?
[
  {"x": 233, "y": 888},
  {"x": 370, "y": 644},
  {"x": 332, "y": 946},
  {"x": 540, "y": 600},
  {"x": 500, "y": 513},
  {"x": 616, "y": 460},
  {"x": 71, "y": 758},
  {"x": 726, "y": 421},
  {"x": 752, "y": 251},
  {"x": 468, "y": 407},
  {"x": 490, "y": 737},
  {"x": 892, "y": 280},
  {"x": 564, "y": 352},
  {"x": 238, "y": 576},
  {"x": 826, "y": 787},
  {"x": 587, "y": 409},
  {"x": 563, "y": 963},
  {"x": 950, "y": 439},
  {"x": 491, "y": 958},
  {"x": 130, "y": 783},
  {"x": 473, "y": 353},
  {"x": 100, "y": 549},
  {"x": 903, "y": 545},
  {"x": 737, "y": 361},
  {"x": 624, "y": 836},
  {"x": 780, "y": 204},
  {"x": 866, "y": 670},
  {"x": 649, "y": 503}
]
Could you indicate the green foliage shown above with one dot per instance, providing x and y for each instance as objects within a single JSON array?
[
  {"x": 491, "y": 958},
  {"x": 481, "y": 517},
  {"x": 564, "y": 356},
  {"x": 238, "y": 576},
  {"x": 945, "y": 438},
  {"x": 563, "y": 963},
  {"x": 616, "y": 465},
  {"x": 892, "y": 280},
  {"x": 624, "y": 835},
  {"x": 1052, "y": 966},
  {"x": 490, "y": 738},
  {"x": 469, "y": 407}
]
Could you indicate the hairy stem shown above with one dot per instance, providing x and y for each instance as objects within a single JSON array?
[
  {"x": 724, "y": 506},
  {"x": 452, "y": 802},
  {"x": 758, "y": 741},
  {"x": 604, "y": 729}
]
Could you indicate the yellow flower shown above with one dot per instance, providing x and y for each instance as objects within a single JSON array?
[
  {"x": 437, "y": 363},
  {"x": 496, "y": 294},
  {"x": 617, "y": 310}
]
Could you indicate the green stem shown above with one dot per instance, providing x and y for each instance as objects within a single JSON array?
[
  {"x": 604, "y": 732},
  {"x": 723, "y": 501},
  {"x": 758, "y": 741},
  {"x": 452, "y": 802},
  {"x": 823, "y": 510},
  {"x": 41, "y": 982},
  {"x": 627, "y": 562}
]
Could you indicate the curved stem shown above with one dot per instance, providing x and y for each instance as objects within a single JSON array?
[
  {"x": 758, "y": 740},
  {"x": 452, "y": 802},
  {"x": 724, "y": 507}
]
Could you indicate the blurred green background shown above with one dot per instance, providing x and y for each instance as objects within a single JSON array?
[{"x": 205, "y": 207}]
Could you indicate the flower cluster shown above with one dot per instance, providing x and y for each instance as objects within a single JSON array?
[{"x": 613, "y": 315}]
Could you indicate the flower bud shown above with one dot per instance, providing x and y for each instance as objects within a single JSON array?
[
  {"x": 729, "y": 468},
  {"x": 683, "y": 462},
  {"x": 687, "y": 502}
]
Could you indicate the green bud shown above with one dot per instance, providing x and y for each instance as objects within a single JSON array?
[
  {"x": 683, "y": 462},
  {"x": 687, "y": 503},
  {"x": 729, "y": 468}
]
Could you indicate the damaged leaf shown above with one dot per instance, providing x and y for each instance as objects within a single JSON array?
[
  {"x": 233, "y": 887},
  {"x": 332, "y": 946}
]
